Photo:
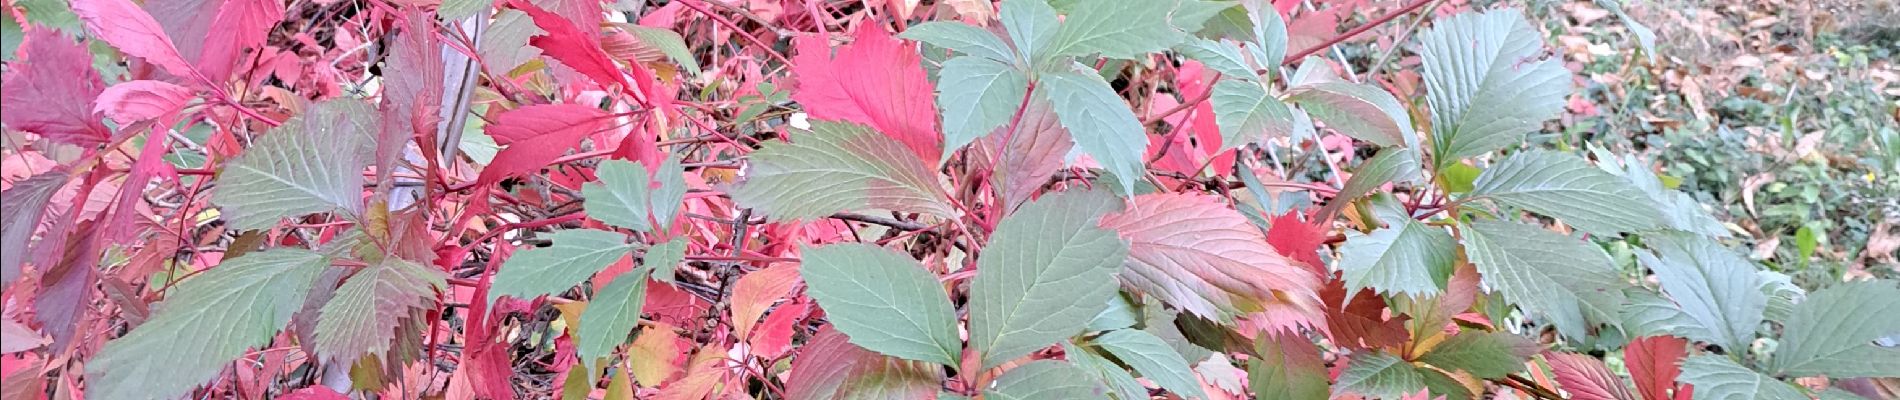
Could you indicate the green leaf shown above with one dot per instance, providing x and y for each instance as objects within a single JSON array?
[
  {"x": 1270, "y": 36},
  {"x": 1119, "y": 314},
  {"x": 1044, "y": 379},
  {"x": 1288, "y": 368},
  {"x": 1718, "y": 378},
  {"x": 610, "y": 317},
  {"x": 1458, "y": 178},
  {"x": 1568, "y": 188},
  {"x": 1488, "y": 355},
  {"x": 664, "y": 258},
  {"x": 1437, "y": 383},
  {"x": 1119, "y": 382},
  {"x": 1647, "y": 313},
  {"x": 574, "y": 255},
  {"x": 11, "y": 35},
  {"x": 1047, "y": 271},
  {"x": 1220, "y": 56},
  {"x": 206, "y": 322},
  {"x": 457, "y": 10},
  {"x": 311, "y": 164},
  {"x": 505, "y": 46},
  {"x": 1032, "y": 26},
  {"x": 625, "y": 196},
  {"x": 961, "y": 38},
  {"x": 1379, "y": 375},
  {"x": 56, "y": 14},
  {"x": 1246, "y": 113},
  {"x": 667, "y": 42},
  {"x": 884, "y": 301},
  {"x": 1100, "y": 122},
  {"x": 362, "y": 316},
  {"x": 1563, "y": 279},
  {"x": 1679, "y": 211},
  {"x": 1151, "y": 357},
  {"x": 1193, "y": 15},
  {"x": 1832, "y": 333},
  {"x": 1124, "y": 30},
  {"x": 1407, "y": 258},
  {"x": 1397, "y": 164},
  {"x": 1361, "y": 111},
  {"x": 1714, "y": 286},
  {"x": 838, "y": 166},
  {"x": 1487, "y": 82},
  {"x": 978, "y": 96}
]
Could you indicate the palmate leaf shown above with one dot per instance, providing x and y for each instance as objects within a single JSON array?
[
  {"x": 1379, "y": 375},
  {"x": 1832, "y": 333},
  {"x": 206, "y": 322},
  {"x": 1154, "y": 359},
  {"x": 977, "y": 95},
  {"x": 829, "y": 367},
  {"x": 838, "y": 166},
  {"x": 625, "y": 196},
  {"x": 1567, "y": 187},
  {"x": 1486, "y": 82},
  {"x": 1118, "y": 30},
  {"x": 1566, "y": 280},
  {"x": 1408, "y": 257},
  {"x": 1045, "y": 379},
  {"x": 884, "y": 301},
  {"x": 1488, "y": 355},
  {"x": 1363, "y": 112},
  {"x": 362, "y": 316},
  {"x": 1202, "y": 257},
  {"x": 1718, "y": 378},
  {"x": 961, "y": 38},
  {"x": 1714, "y": 286},
  {"x": 1246, "y": 113},
  {"x": 572, "y": 256},
  {"x": 1032, "y": 25},
  {"x": 615, "y": 309},
  {"x": 1048, "y": 270},
  {"x": 312, "y": 163},
  {"x": 1098, "y": 119}
]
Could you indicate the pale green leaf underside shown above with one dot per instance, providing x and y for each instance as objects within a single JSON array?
[
  {"x": 1032, "y": 25},
  {"x": 1486, "y": 84},
  {"x": 1409, "y": 258},
  {"x": 1832, "y": 333},
  {"x": 1568, "y": 188},
  {"x": 838, "y": 166},
  {"x": 1123, "y": 30},
  {"x": 310, "y": 164},
  {"x": 573, "y": 255},
  {"x": 1100, "y": 122},
  {"x": 977, "y": 96},
  {"x": 961, "y": 38},
  {"x": 1360, "y": 111},
  {"x": 1045, "y": 379},
  {"x": 1379, "y": 375},
  {"x": 361, "y": 317},
  {"x": 1647, "y": 313},
  {"x": 206, "y": 322},
  {"x": 1717, "y": 378},
  {"x": 1246, "y": 113},
  {"x": 884, "y": 301},
  {"x": 1154, "y": 359},
  {"x": 1714, "y": 286},
  {"x": 1564, "y": 279},
  {"x": 1047, "y": 271}
]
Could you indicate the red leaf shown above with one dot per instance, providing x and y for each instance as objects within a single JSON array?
[
  {"x": 536, "y": 135},
  {"x": 151, "y": 163},
  {"x": 876, "y": 80},
  {"x": 49, "y": 91},
  {"x": 134, "y": 32},
  {"x": 1032, "y": 156},
  {"x": 141, "y": 100},
  {"x": 1188, "y": 156},
  {"x": 1361, "y": 323},
  {"x": 1197, "y": 254},
  {"x": 757, "y": 291},
  {"x": 1653, "y": 362},
  {"x": 1298, "y": 239},
  {"x": 774, "y": 337},
  {"x": 572, "y": 46},
  {"x": 240, "y": 25},
  {"x": 314, "y": 392},
  {"x": 829, "y": 366},
  {"x": 1586, "y": 378}
]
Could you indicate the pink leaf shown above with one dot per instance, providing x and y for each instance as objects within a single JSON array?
[
  {"x": 151, "y": 164},
  {"x": 239, "y": 25},
  {"x": 1586, "y": 378},
  {"x": 1653, "y": 362},
  {"x": 314, "y": 392},
  {"x": 830, "y": 367},
  {"x": 141, "y": 100},
  {"x": 49, "y": 91},
  {"x": 1032, "y": 156},
  {"x": 774, "y": 337},
  {"x": 876, "y": 80},
  {"x": 536, "y": 135},
  {"x": 134, "y": 32},
  {"x": 1196, "y": 253},
  {"x": 1298, "y": 239},
  {"x": 573, "y": 47},
  {"x": 757, "y": 291}
]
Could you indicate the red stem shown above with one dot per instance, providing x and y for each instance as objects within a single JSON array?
[{"x": 1355, "y": 31}]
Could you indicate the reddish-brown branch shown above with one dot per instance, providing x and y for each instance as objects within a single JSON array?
[{"x": 1415, "y": 5}]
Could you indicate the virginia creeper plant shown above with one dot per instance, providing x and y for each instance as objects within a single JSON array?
[{"x": 693, "y": 199}]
